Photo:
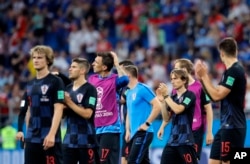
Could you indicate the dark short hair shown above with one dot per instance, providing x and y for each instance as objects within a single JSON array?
[
  {"x": 229, "y": 46},
  {"x": 126, "y": 63},
  {"x": 107, "y": 59}
]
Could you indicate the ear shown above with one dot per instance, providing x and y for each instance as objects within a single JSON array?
[
  {"x": 222, "y": 54},
  {"x": 104, "y": 67},
  {"x": 82, "y": 70}
]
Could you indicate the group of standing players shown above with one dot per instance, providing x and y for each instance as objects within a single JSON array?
[{"x": 96, "y": 106}]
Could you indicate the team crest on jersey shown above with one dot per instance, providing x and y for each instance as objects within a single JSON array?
[
  {"x": 44, "y": 89},
  {"x": 79, "y": 97},
  {"x": 133, "y": 96}
]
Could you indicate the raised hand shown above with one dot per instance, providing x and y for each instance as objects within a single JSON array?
[{"x": 163, "y": 88}]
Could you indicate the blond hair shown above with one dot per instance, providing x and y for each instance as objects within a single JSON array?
[
  {"x": 185, "y": 63},
  {"x": 42, "y": 49}
]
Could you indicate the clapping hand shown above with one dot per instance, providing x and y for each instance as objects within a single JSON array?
[
  {"x": 200, "y": 69},
  {"x": 163, "y": 89}
]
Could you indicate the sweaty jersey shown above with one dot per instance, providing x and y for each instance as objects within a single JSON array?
[
  {"x": 81, "y": 132},
  {"x": 181, "y": 130},
  {"x": 139, "y": 106},
  {"x": 42, "y": 95},
  {"x": 232, "y": 106}
]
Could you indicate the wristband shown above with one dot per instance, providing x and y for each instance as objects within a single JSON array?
[
  {"x": 147, "y": 123},
  {"x": 166, "y": 96}
]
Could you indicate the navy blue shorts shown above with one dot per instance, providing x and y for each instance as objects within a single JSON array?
[
  {"x": 81, "y": 155},
  {"x": 109, "y": 148},
  {"x": 35, "y": 154},
  {"x": 224, "y": 141},
  {"x": 198, "y": 141},
  {"x": 139, "y": 147},
  {"x": 184, "y": 154}
]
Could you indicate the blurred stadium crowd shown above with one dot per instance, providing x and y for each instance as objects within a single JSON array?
[{"x": 151, "y": 33}]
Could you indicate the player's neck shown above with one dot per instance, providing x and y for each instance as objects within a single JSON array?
[
  {"x": 229, "y": 62},
  {"x": 180, "y": 91},
  {"x": 42, "y": 73},
  {"x": 104, "y": 74},
  {"x": 79, "y": 82},
  {"x": 191, "y": 80},
  {"x": 132, "y": 83}
]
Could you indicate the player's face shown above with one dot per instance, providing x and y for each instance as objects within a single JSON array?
[
  {"x": 39, "y": 61},
  {"x": 177, "y": 82},
  {"x": 97, "y": 65},
  {"x": 74, "y": 71}
]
